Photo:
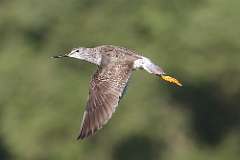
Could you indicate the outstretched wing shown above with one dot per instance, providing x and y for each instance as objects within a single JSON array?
[{"x": 106, "y": 89}]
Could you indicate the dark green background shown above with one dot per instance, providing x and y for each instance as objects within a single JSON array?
[{"x": 42, "y": 100}]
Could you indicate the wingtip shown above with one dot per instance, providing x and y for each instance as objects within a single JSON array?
[{"x": 80, "y": 137}]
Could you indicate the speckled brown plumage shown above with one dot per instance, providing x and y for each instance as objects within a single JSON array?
[
  {"x": 115, "y": 66},
  {"x": 106, "y": 89}
]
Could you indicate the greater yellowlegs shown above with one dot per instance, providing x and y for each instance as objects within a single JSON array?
[{"x": 115, "y": 66}]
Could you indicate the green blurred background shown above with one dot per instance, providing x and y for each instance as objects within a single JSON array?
[{"x": 42, "y": 100}]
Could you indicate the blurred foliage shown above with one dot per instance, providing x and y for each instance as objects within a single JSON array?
[{"x": 42, "y": 100}]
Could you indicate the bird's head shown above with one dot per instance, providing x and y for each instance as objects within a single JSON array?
[
  {"x": 88, "y": 54},
  {"x": 78, "y": 53}
]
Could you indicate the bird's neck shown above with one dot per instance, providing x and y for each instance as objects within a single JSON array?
[{"x": 93, "y": 58}]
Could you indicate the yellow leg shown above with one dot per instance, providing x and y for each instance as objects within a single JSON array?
[{"x": 171, "y": 80}]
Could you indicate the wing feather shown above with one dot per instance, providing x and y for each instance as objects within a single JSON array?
[{"x": 106, "y": 89}]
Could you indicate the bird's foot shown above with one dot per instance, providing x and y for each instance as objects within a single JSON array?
[{"x": 171, "y": 80}]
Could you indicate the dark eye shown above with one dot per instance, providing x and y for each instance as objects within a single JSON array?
[{"x": 77, "y": 50}]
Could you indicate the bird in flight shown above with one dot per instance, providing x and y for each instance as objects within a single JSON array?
[{"x": 115, "y": 66}]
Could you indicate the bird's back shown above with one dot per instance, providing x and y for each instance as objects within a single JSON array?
[{"x": 118, "y": 53}]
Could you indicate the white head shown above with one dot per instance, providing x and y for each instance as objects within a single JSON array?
[
  {"x": 78, "y": 53},
  {"x": 87, "y": 54}
]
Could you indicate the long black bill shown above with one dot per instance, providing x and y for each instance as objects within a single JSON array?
[{"x": 59, "y": 56}]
